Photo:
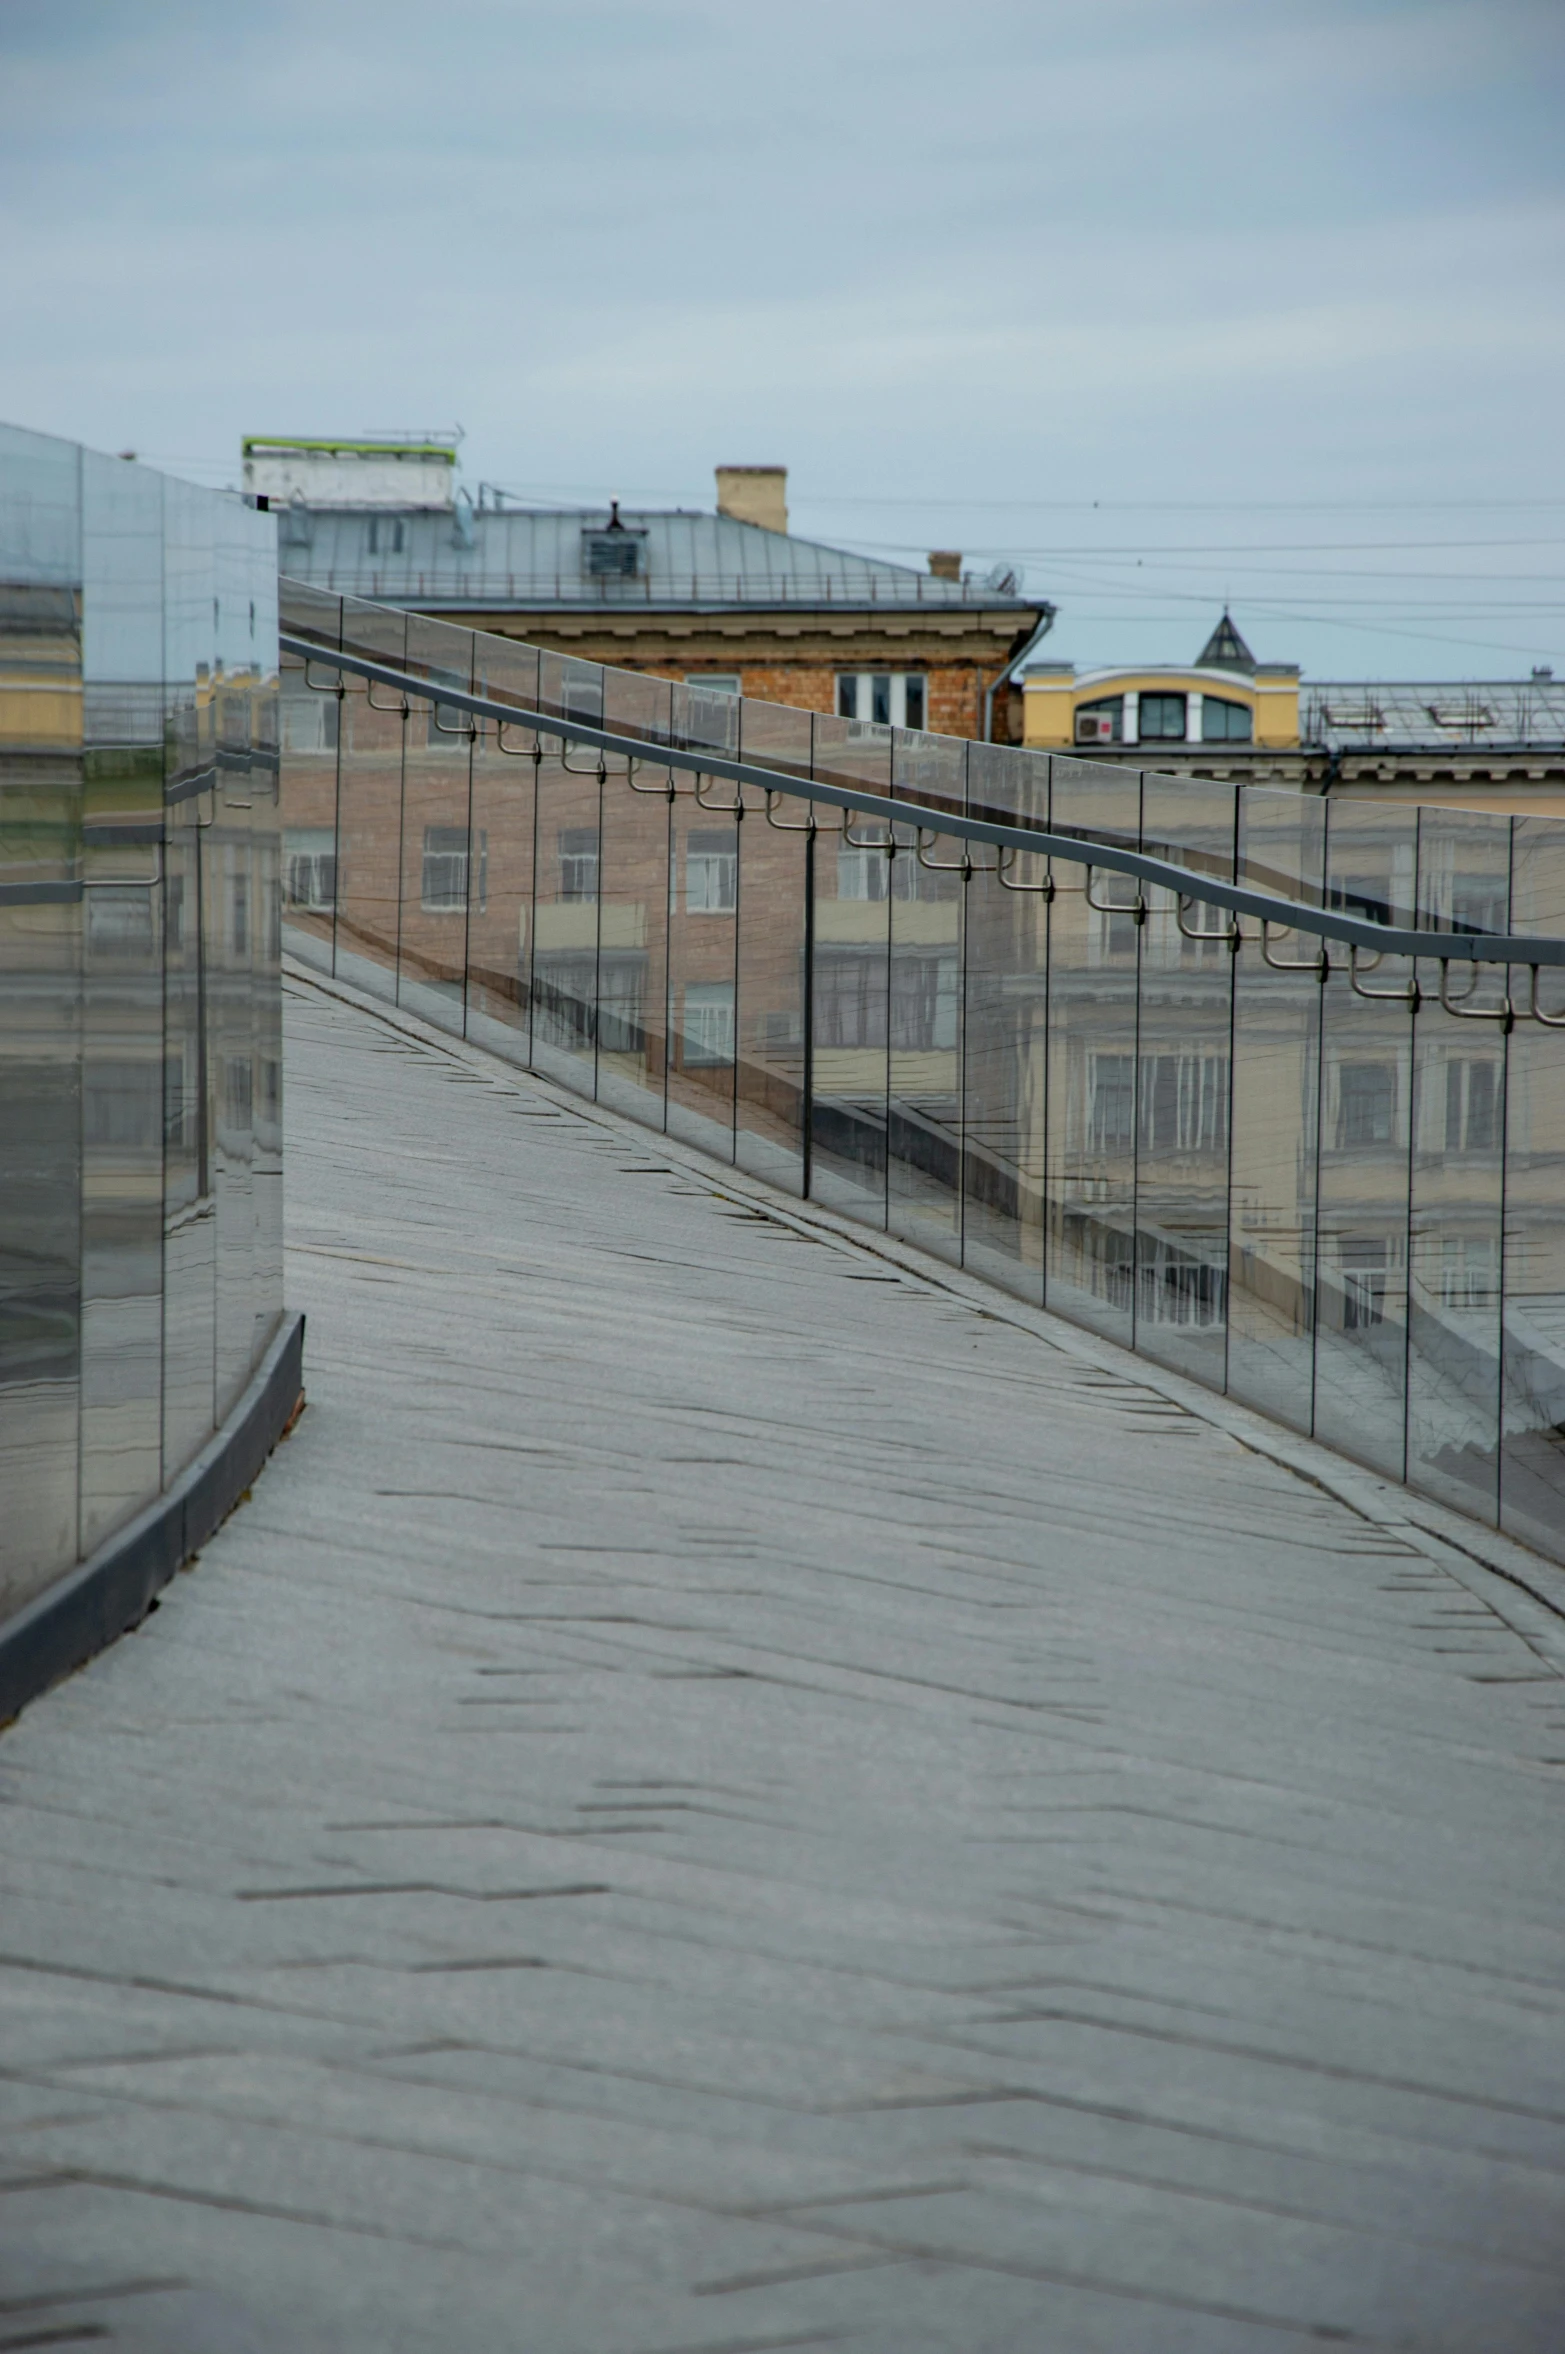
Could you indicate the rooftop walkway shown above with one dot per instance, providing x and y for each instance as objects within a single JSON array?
[{"x": 720, "y": 1796}]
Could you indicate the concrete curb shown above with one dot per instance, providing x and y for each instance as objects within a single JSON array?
[
  {"x": 1523, "y": 1587},
  {"x": 95, "y": 1603}
]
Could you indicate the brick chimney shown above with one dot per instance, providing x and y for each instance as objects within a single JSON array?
[
  {"x": 754, "y": 494},
  {"x": 946, "y": 563}
]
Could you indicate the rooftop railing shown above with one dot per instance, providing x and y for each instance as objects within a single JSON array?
[{"x": 1265, "y": 1088}]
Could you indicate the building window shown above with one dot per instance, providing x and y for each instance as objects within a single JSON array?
[
  {"x": 387, "y": 537},
  {"x": 239, "y": 909},
  {"x": 865, "y": 872},
  {"x": 1366, "y": 1104},
  {"x": 1223, "y": 722},
  {"x": 444, "y": 882},
  {"x": 1101, "y": 722},
  {"x": 1161, "y": 719},
  {"x": 1363, "y": 1286},
  {"x": 1469, "y": 1273},
  {"x": 1111, "y": 1102},
  {"x": 1184, "y": 1102},
  {"x": 709, "y": 1023},
  {"x": 579, "y": 863},
  {"x": 614, "y": 553},
  {"x": 1472, "y": 1105},
  {"x": 717, "y": 682},
  {"x": 886, "y": 698},
  {"x": 310, "y": 866},
  {"x": 309, "y": 722},
  {"x": 712, "y": 873}
]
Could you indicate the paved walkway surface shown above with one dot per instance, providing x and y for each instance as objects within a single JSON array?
[{"x": 719, "y": 1798}]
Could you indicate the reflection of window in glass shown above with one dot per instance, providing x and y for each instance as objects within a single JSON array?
[
  {"x": 621, "y": 980},
  {"x": 238, "y": 1089},
  {"x": 865, "y": 872},
  {"x": 720, "y": 682},
  {"x": 310, "y": 866},
  {"x": 887, "y": 698},
  {"x": 1162, "y": 719},
  {"x": 1365, "y": 895},
  {"x": 119, "y": 1104},
  {"x": 443, "y": 884},
  {"x": 581, "y": 692},
  {"x": 1223, "y": 722},
  {"x": 240, "y": 912},
  {"x": 1477, "y": 904},
  {"x": 1101, "y": 721},
  {"x": 1184, "y": 1102},
  {"x": 1469, "y": 1271},
  {"x": 1472, "y": 1105},
  {"x": 564, "y": 998},
  {"x": 1366, "y": 1104},
  {"x": 709, "y": 1023},
  {"x": 309, "y": 721},
  {"x": 1111, "y": 1102},
  {"x": 174, "y": 910},
  {"x": 119, "y": 921},
  {"x": 387, "y": 537},
  {"x": 923, "y": 1003},
  {"x": 1177, "y": 1289},
  {"x": 712, "y": 873},
  {"x": 579, "y": 863},
  {"x": 1363, "y": 1285},
  {"x": 174, "y": 1099},
  {"x": 850, "y": 998}
]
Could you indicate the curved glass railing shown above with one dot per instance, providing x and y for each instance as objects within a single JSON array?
[
  {"x": 1262, "y": 1086},
  {"x": 140, "y": 1051}
]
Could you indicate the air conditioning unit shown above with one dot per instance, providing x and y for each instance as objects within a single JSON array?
[{"x": 1094, "y": 727}]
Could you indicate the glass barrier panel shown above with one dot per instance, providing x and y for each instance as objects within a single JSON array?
[
  {"x": 308, "y": 730},
  {"x": 1275, "y": 1115},
  {"x": 122, "y": 994},
  {"x": 369, "y": 836},
  {"x": 1007, "y": 785},
  {"x": 306, "y": 612},
  {"x": 1532, "y": 1465},
  {"x": 445, "y": 863},
  {"x": 565, "y": 915},
  {"x": 850, "y": 986},
  {"x": 634, "y": 916},
  {"x": 929, "y": 769},
  {"x": 41, "y": 1037},
  {"x": 924, "y": 1039},
  {"x": 190, "y": 883},
  {"x": 1366, "y": 1092},
  {"x": 1458, "y": 1183},
  {"x": 1006, "y": 1033},
  {"x": 500, "y": 910},
  {"x": 1184, "y": 1084},
  {"x": 775, "y": 736},
  {"x": 852, "y": 752},
  {"x": 703, "y": 942},
  {"x": 1094, "y": 960},
  {"x": 774, "y": 883}
]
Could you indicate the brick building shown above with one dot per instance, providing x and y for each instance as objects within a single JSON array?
[{"x": 729, "y": 597}]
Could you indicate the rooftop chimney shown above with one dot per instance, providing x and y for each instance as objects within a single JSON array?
[
  {"x": 946, "y": 563},
  {"x": 754, "y": 494}
]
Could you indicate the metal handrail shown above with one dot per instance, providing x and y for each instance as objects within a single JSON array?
[{"x": 1326, "y": 923}]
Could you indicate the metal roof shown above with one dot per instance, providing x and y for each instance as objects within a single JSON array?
[
  {"x": 1360, "y": 715},
  {"x": 537, "y": 557}
]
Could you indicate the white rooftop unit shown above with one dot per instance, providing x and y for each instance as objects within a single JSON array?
[{"x": 374, "y": 470}]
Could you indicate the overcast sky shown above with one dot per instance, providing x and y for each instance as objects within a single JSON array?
[{"x": 1165, "y": 300}]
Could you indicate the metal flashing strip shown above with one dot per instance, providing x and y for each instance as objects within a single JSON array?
[
  {"x": 87, "y": 1608},
  {"x": 1267, "y": 908}
]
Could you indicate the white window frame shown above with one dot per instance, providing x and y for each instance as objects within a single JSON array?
[{"x": 863, "y": 683}]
